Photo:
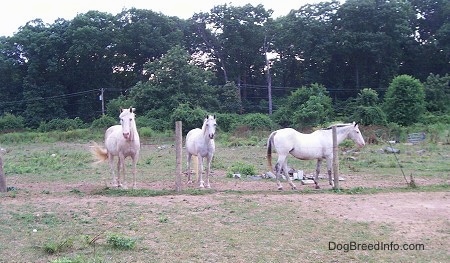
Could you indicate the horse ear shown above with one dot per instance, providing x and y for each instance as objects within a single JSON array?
[
  {"x": 214, "y": 116},
  {"x": 121, "y": 110},
  {"x": 132, "y": 109},
  {"x": 355, "y": 124}
]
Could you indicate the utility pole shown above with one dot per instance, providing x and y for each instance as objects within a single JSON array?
[{"x": 102, "y": 90}]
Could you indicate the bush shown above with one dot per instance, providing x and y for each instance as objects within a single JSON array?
[
  {"x": 257, "y": 121},
  {"x": 61, "y": 125},
  {"x": 190, "y": 116},
  {"x": 103, "y": 122},
  {"x": 242, "y": 169},
  {"x": 404, "y": 101},
  {"x": 227, "y": 121},
  {"x": 11, "y": 122}
]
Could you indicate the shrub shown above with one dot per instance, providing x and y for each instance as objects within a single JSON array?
[
  {"x": 257, "y": 121},
  {"x": 11, "y": 122},
  {"x": 190, "y": 116},
  {"x": 241, "y": 168},
  {"x": 61, "y": 125},
  {"x": 121, "y": 242},
  {"x": 404, "y": 101},
  {"x": 103, "y": 122},
  {"x": 227, "y": 121}
]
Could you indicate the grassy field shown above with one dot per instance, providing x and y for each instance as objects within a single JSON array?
[{"x": 60, "y": 211}]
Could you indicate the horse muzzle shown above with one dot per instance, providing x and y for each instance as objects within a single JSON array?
[
  {"x": 126, "y": 135},
  {"x": 211, "y": 136}
]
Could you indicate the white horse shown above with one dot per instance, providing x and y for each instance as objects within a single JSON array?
[
  {"x": 122, "y": 141},
  {"x": 200, "y": 143},
  {"x": 317, "y": 145}
]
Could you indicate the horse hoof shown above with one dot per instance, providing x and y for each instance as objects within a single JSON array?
[
  {"x": 294, "y": 188},
  {"x": 280, "y": 188},
  {"x": 317, "y": 187}
]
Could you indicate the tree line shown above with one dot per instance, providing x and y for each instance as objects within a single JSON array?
[{"x": 326, "y": 59}]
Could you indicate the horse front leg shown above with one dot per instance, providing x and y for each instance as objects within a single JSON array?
[
  {"x": 200, "y": 172},
  {"x": 316, "y": 176},
  {"x": 112, "y": 171},
  {"x": 134, "y": 158},
  {"x": 208, "y": 169},
  {"x": 121, "y": 170}
]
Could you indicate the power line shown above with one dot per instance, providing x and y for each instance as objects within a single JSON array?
[{"x": 62, "y": 96}]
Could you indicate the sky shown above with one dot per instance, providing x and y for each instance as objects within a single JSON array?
[{"x": 14, "y": 13}]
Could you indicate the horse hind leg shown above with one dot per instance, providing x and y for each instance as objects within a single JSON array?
[
  {"x": 282, "y": 166},
  {"x": 288, "y": 178},
  {"x": 330, "y": 179}
]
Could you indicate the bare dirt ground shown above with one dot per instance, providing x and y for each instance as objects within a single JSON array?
[{"x": 414, "y": 213}]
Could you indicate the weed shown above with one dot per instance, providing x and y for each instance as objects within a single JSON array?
[
  {"x": 121, "y": 242},
  {"x": 53, "y": 247},
  {"x": 241, "y": 168}
]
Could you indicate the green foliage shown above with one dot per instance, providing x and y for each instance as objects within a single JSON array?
[
  {"x": 241, "y": 168},
  {"x": 307, "y": 106},
  {"x": 191, "y": 117},
  {"x": 61, "y": 125},
  {"x": 103, "y": 122},
  {"x": 53, "y": 247},
  {"x": 174, "y": 80},
  {"x": 228, "y": 95},
  {"x": 366, "y": 108},
  {"x": 437, "y": 93},
  {"x": 227, "y": 121},
  {"x": 121, "y": 242},
  {"x": 404, "y": 101},
  {"x": 11, "y": 122},
  {"x": 256, "y": 121}
]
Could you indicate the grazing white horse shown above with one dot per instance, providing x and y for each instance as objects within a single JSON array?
[
  {"x": 317, "y": 145},
  {"x": 200, "y": 143},
  {"x": 121, "y": 141}
]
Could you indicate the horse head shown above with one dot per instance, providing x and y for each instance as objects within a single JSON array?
[
  {"x": 126, "y": 120},
  {"x": 209, "y": 126},
  {"x": 355, "y": 135}
]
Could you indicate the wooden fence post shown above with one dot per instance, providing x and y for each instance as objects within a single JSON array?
[
  {"x": 3, "y": 187},
  {"x": 335, "y": 159},
  {"x": 179, "y": 149}
]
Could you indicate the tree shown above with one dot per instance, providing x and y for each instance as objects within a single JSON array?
[
  {"x": 308, "y": 106},
  {"x": 370, "y": 37},
  {"x": 404, "y": 101},
  {"x": 368, "y": 110},
  {"x": 173, "y": 80},
  {"x": 437, "y": 93}
]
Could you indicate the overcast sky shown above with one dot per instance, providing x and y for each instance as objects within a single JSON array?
[{"x": 15, "y": 13}]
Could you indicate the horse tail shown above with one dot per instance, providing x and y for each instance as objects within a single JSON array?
[
  {"x": 269, "y": 150},
  {"x": 99, "y": 153}
]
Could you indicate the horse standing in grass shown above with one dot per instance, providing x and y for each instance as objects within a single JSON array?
[
  {"x": 317, "y": 145},
  {"x": 121, "y": 141},
  {"x": 200, "y": 143}
]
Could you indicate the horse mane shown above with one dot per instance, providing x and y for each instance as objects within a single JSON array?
[{"x": 337, "y": 126}]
